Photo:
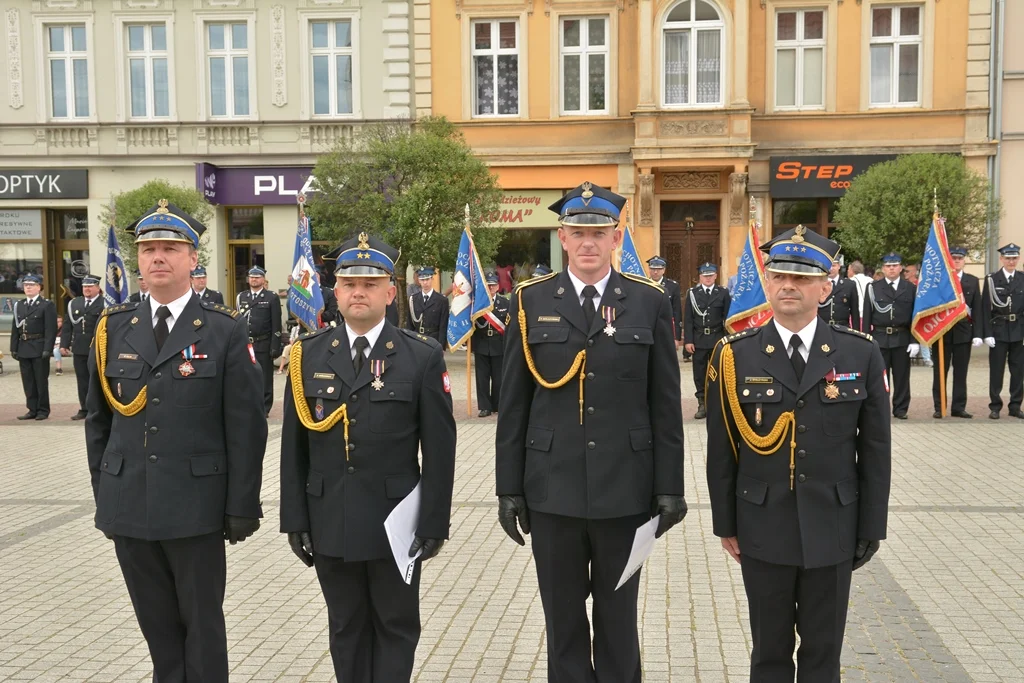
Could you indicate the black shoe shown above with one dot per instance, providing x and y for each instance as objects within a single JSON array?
[
  {"x": 484, "y": 413},
  {"x": 701, "y": 412},
  {"x": 80, "y": 415},
  {"x": 994, "y": 415},
  {"x": 901, "y": 416},
  {"x": 40, "y": 417},
  {"x": 937, "y": 414},
  {"x": 1017, "y": 414},
  {"x": 962, "y": 413},
  {"x": 27, "y": 416}
]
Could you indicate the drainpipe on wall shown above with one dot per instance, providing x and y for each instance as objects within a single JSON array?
[{"x": 995, "y": 128}]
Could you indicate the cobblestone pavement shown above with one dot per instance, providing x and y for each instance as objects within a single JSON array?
[{"x": 942, "y": 601}]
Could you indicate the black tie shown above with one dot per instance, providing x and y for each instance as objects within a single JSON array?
[
  {"x": 796, "y": 358},
  {"x": 589, "y": 292},
  {"x": 360, "y": 345},
  {"x": 161, "y": 330}
]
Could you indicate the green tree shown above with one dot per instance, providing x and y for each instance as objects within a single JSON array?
[
  {"x": 409, "y": 187},
  {"x": 131, "y": 205},
  {"x": 890, "y": 206}
]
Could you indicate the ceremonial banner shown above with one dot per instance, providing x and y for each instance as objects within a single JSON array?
[
  {"x": 115, "y": 289},
  {"x": 470, "y": 297},
  {"x": 629, "y": 261},
  {"x": 305, "y": 300},
  {"x": 940, "y": 300},
  {"x": 750, "y": 307}
]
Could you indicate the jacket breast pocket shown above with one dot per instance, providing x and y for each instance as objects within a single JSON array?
[
  {"x": 752, "y": 396},
  {"x": 633, "y": 345},
  {"x": 840, "y": 411},
  {"x": 125, "y": 379},
  {"x": 549, "y": 345},
  {"x": 195, "y": 383},
  {"x": 390, "y": 406}
]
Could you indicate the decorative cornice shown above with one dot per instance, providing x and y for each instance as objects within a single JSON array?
[
  {"x": 14, "y": 72},
  {"x": 691, "y": 180},
  {"x": 694, "y": 128},
  {"x": 279, "y": 97}
]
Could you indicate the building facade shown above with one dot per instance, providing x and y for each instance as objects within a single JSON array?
[
  {"x": 1008, "y": 123},
  {"x": 692, "y": 107},
  {"x": 234, "y": 97}
]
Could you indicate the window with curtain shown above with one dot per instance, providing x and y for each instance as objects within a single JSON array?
[
  {"x": 67, "y": 59},
  {"x": 495, "y": 54},
  {"x": 694, "y": 54},
  {"x": 148, "y": 83},
  {"x": 584, "y": 52},
  {"x": 800, "y": 59},
  {"x": 227, "y": 59},
  {"x": 896, "y": 55},
  {"x": 333, "y": 69}
]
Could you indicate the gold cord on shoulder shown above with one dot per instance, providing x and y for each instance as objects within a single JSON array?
[
  {"x": 579, "y": 364},
  {"x": 762, "y": 445},
  {"x": 302, "y": 405},
  {"x": 101, "y": 365}
]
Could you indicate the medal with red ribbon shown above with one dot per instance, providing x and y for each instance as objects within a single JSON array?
[
  {"x": 608, "y": 313},
  {"x": 831, "y": 390},
  {"x": 377, "y": 369},
  {"x": 188, "y": 353}
]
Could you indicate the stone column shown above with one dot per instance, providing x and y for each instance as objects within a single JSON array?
[{"x": 646, "y": 43}]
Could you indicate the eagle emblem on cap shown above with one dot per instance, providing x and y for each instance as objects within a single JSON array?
[
  {"x": 798, "y": 234},
  {"x": 363, "y": 244},
  {"x": 587, "y": 193},
  {"x": 163, "y": 206}
]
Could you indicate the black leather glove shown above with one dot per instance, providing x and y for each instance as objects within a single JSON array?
[
  {"x": 511, "y": 508},
  {"x": 431, "y": 547},
  {"x": 239, "y": 528},
  {"x": 865, "y": 549},
  {"x": 302, "y": 546},
  {"x": 670, "y": 511}
]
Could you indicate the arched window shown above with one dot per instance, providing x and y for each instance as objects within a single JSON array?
[{"x": 693, "y": 46}]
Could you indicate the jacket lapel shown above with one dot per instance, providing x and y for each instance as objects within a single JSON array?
[
  {"x": 341, "y": 355},
  {"x": 184, "y": 332},
  {"x": 569, "y": 303},
  {"x": 818, "y": 361},
  {"x": 141, "y": 337},
  {"x": 775, "y": 359}
]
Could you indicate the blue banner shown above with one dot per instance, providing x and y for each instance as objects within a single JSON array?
[
  {"x": 305, "y": 300},
  {"x": 750, "y": 307},
  {"x": 470, "y": 297},
  {"x": 630, "y": 261},
  {"x": 115, "y": 279},
  {"x": 940, "y": 301}
]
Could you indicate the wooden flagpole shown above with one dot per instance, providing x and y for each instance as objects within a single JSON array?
[{"x": 469, "y": 345}]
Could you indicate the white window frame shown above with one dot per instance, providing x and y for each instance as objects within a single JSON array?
[
  {"x": 584, "y": 50},
  {"x": 694, "y": 27},
  {"x": 122, "y": 81},
  {"x": 203, "y": 82},
  {"x": 799, "y": 45},
  {"x": 306, "y": 18},
  {"x": 895, "y": 41},
  {"x": 42, "y": 23},
  {"x": 228, "y": 54},
  {"x": 148, "y": 54},
  {"x": 495, "y": 52}
]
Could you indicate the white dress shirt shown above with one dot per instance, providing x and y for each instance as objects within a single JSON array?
[
  {"x": 1008, "y": 274},
  {"x": 175, "y": 307},
  {"x": 600, "y": 286},
  {"x": 806, "y": 337},
  {"x": 371, "y": 337},
  {"x": 893, "y": 283}
]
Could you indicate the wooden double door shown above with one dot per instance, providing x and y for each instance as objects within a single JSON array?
[{"x": 690, "y": 236}]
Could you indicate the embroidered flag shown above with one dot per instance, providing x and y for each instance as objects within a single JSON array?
[
  {"x": 940, "y": 300},
  {"x": 305, "y": 300},
  {"x": 470, "y": 297},
  {"x": 750, "y": 307},
  {"x": 629, "y": 259},
  {"x": 115, "y": 290}
]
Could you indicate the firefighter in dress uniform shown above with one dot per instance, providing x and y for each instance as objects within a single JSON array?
[{"x": 77, "y": 332}]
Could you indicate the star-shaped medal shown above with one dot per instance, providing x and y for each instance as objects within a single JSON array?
[
  {"x": 609, "y": 329},
  {"x": 377, "y": 384}
]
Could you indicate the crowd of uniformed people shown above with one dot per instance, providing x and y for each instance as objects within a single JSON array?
[{"x": 581, "y": 368}]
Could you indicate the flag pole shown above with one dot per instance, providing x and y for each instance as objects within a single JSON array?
[
  {"x": 942, "y": 352},
  {"x": 469, "y": 345}
]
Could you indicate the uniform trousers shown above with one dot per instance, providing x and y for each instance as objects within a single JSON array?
[
  {"x": 373, "y": 617},
  {"x": 82, "y": 377},
  {"x": 488, "y": 381},
  {"x": 266, "y": 364},
  {"x": 815, "y": 600},
  {"x": 577, "y": 558},
  {"x": 701, "y": 358},
  {"x": 997, "y": 358},
  {"x": 960, "y": 355},
  {"x": 177, "y": 590},
  {"x": 35, "y": 380},
  {"x": 898, "y": 360}
]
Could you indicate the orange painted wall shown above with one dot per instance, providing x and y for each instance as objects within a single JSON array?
[{"x": 553, "y": 177}]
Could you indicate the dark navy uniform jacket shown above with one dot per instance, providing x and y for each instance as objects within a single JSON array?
[{"x": 79, "y": 324}]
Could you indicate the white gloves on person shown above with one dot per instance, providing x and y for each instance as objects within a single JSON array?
[
  {"x": 913, "y": 350},
  {"x": 990, "y": 342},
  {"x": 976, "y": 342}
]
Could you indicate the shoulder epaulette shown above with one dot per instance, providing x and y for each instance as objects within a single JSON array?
[
  {"x": 220, "y": 308},
  {"x": 120, "y": 308},
  {"x": 316, "y": 333},
  {"x": 534, "y": 280},
  {"x": 750, "y": 331},
  {"x": 422, "y": 338},
  {"x": 643, "y": 280},
  {"x": 850, "y": 330}
]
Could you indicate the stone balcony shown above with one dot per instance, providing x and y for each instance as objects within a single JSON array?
[{"x": 671, "y": 133}]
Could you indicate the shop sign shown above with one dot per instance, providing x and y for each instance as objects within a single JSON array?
[
  {"x": 254, "y": 185},
  {"x": 41, "y": 183},
  {"x": 21, "y": 224},
  {"x": 526, "y": 209},
  {"x": 818, "y": 176}
]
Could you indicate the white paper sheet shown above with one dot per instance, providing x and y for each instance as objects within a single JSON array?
[
  {"x": 643, "y": 546},
  {"x": 400, "y": 527}
]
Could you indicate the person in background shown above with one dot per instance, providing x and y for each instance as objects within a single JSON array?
[
  {"x": 857, "y": 273},
  {"x": 707, "y": 309},
  {"x": 296, "y": 329},
  {"x": 199, "y": 287},
  {"x": 143, "y": 292},
  {"x": 428, "y": 309},
  {"x": 33, "y": 333},
  {"x": 1003, "y": 316},
  {"x": 656, "y": 266},
  {"x": 56, "y": 348},
  {"x": 887, "y": 317},
  {"x": 262, "y": 310},
  {"x": 911, "y": 273},
  {"x": 957, "y": 342},
  {"x": 77, "y": 332}
]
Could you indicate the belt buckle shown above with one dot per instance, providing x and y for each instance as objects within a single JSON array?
[
  {"x": 24, "y": 337},
  {"x": 890, "y": 330},
  {"x": 251, "y": 340},
  {"x": 707, "y": 331},
  {"x": 1012, "y": 317},
  {"x": 490, "y": 333},
  {"x": 421, "y": 329}
]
